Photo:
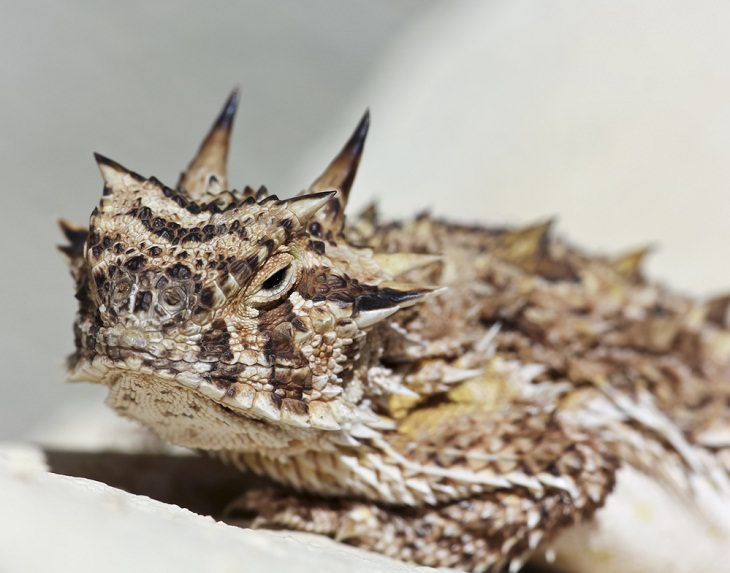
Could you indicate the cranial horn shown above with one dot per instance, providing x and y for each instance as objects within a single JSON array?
[
  {"x": 391, "y": 294},
  {"x": 340, "y": 174},
  {"x": 212, "y": 157},
  {"x": 74, "y": 250},
  {"x": 306, "y": 206},
  {"x": 123, "y": 188},
  {"x": 367, "y": 318},
  {"x": 76, "y": 236},
  {"x": 387, "y": 299},
  {"x": 116, "y": 177}
]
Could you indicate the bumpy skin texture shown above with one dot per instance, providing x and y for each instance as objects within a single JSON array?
[{"x": 444, "y": 394}]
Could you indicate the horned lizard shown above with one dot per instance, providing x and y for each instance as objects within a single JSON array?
[{"x": 446, "y": 394}]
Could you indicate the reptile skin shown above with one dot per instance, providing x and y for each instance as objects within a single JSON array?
[{"x": 445, "y": 394}]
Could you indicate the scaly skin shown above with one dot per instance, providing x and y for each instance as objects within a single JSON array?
[{"x": 444, "y": 394}]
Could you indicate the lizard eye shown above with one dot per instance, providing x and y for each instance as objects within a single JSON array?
[
  {"x": 275, "y": 280},
  {"x": 276, "y": 284}
]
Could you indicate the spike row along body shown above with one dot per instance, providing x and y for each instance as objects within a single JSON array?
[{"x": 445, "y": 394}]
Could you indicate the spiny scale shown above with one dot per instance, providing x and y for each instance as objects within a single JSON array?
[
  {"x": 475, "y": 390},
  {"x": 631, "y": 263}
]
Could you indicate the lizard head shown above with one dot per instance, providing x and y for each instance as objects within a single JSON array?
[{"x": 238, "y": 303}]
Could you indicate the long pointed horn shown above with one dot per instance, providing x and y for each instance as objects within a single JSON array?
[
  {"x": 339, "y": 175},
  {"x": 212, "y": 157}
]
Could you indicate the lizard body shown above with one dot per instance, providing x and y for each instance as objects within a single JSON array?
[{"x": 446, "y": 394}]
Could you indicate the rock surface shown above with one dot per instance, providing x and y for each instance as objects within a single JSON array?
[{"x": 63, "y": 523}]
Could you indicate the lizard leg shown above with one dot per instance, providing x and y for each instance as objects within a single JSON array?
[{"x": 491, "y": 532}]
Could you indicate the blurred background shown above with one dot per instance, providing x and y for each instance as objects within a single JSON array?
[{"x": 611, "y": 115}]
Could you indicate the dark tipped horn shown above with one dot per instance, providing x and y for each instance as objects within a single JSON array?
[
  {"x": 340, "y": 173},
  {"x": 116, "y": 176},
  {"x": 75, "y": 235},
  {"x": 212, "y": 156}
]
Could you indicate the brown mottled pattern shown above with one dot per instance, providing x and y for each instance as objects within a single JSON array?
[{"x": 447, "y": 394}]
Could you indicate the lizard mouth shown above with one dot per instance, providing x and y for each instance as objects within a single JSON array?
[
  {"x": 121, "y": 368},
  {"x": 130, "y": 357}
]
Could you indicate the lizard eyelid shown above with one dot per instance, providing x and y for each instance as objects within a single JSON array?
[
  {"x": 276, "y": 285},
  {"x": 275, "y": 280}
]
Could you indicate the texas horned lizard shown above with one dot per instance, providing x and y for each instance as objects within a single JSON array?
[{"x": 446, "y": 394}]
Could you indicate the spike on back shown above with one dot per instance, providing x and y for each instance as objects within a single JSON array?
[
  {"x": 212, "y": 157},
  {"x": 525, "y": 242},
  {"x": 629, "y": 265},
  {"x": 397, "y": 264},
  {"x": 717, "y": 310}
]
